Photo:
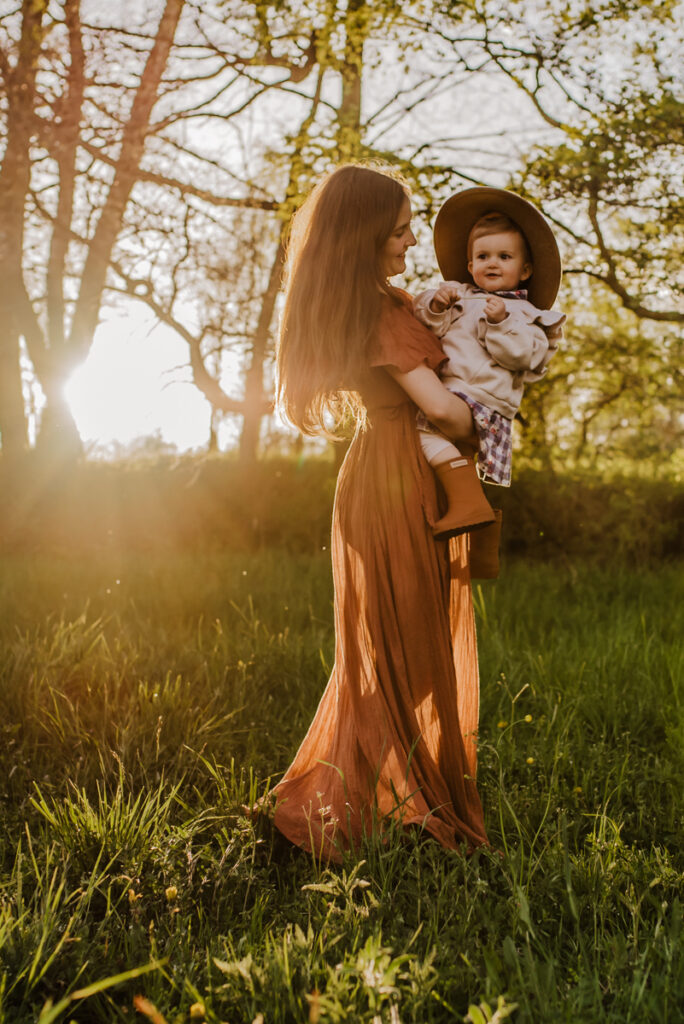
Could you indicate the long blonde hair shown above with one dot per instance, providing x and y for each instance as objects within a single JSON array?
[{"x": 334, "y": 293}]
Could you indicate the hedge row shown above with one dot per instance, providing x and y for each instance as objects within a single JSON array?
[{"x": 199, "y": 503}]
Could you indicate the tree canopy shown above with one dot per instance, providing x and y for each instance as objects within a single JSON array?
[{"x": 159, "y": 159}]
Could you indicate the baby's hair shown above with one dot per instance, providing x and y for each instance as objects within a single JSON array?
[{"x": 493, "y": 223}]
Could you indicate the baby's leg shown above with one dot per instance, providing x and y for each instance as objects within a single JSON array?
[
  {"x": 467, "y": 507},
  {"x": 437, "y": 448}
]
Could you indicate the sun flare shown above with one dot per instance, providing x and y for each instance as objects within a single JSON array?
[{"x": 135, "y": 384}]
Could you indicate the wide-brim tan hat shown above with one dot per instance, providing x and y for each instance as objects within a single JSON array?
[{"x": 457, "y": 217}]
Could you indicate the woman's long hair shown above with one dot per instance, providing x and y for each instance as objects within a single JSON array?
[{"x": 335, "y": 288}]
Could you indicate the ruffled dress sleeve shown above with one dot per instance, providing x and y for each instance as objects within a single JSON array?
[{"x": 403, "y": 342}]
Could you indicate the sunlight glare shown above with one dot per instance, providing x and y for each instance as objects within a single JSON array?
[{"x": 135, "y": 383}]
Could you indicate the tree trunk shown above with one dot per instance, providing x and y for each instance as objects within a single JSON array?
[
  {"x": 58, "y": 439},
  {"x": 14, "y": 182},
  {"x": 254, "y": 406},
  {"x": 13, "y": 433},
  {"x": 349, "y": 114},
  {"x": 212, "y": 443},
  {"x": 251, "y": 421}
]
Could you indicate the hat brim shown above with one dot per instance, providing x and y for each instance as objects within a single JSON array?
[{"x": 457, "y": 218}]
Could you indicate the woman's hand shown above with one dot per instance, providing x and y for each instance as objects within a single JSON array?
[{"x": 445, "y": 411}]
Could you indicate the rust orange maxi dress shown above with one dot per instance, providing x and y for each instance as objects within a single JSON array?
[{"x": 394, "y": 735}]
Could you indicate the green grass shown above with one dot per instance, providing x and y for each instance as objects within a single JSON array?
[{"x": 145, "y": 699}]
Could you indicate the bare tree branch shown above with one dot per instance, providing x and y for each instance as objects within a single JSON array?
[
  {"x": 188, "y": 189},
  {"x": 611, "y": 279},
  {"x": 208, "y": 385}
]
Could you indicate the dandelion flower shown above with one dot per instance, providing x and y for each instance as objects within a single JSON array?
[
  {"x": 577, "y": 789},
  {"x": 528, "y": 718},
  {"x": 171, "y": 893},
  {"x": 196, "y": 1011},
  {"x": 502, "y": 724},
  {"x": 530, "y": 760}
]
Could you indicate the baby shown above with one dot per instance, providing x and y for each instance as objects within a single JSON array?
[{"x": 498, "y": 336}]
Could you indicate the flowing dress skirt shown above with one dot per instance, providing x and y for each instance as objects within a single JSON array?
[{"x": 394, "y": 736}]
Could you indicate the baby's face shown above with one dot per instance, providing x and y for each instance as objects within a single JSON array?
[{"x": 498, "y": 262}]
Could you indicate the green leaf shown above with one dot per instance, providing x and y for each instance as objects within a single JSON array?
[{"x": 50, "y": 1013}]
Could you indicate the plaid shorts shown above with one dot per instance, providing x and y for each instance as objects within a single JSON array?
[{"x": 496, "y": 443}]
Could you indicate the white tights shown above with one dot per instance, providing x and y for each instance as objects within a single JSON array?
[{"x": 437, "y": 448}]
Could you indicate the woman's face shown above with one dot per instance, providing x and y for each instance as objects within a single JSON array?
[{"x": 394, "y": 250}]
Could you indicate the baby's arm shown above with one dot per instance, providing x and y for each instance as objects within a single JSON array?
[
  {"x": 435, "y": 308},
  {"x": 495, "y": 309},
  {"x": 516, "y": 344},
  {"x": 446, "y": 295}
]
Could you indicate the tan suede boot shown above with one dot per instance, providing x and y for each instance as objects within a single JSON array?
[
  {"x": 468, "y": 509},
  {"x": 483, "y": 548}
]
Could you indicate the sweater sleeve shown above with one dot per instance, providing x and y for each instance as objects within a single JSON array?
[
  {"x": 521, "y": 343},
  {"x": 404, "y": 343},
  {"x": 438, "y": 322}
]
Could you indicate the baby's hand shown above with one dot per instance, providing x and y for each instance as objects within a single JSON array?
[
  {"x": 495, "y": 308},
  {"x": 444, "y": 297}
]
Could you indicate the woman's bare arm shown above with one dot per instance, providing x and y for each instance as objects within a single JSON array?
[{"x": 445, "y": 411}]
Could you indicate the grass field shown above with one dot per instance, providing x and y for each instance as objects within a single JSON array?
[{"x": 144, "y": 700}]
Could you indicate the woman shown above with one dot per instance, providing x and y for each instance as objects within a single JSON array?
[{"x": 393, "y": 738}]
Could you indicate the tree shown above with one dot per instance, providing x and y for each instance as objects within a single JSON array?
[
  {"x": 100, "y": 171},
  {"x": 602, "y": 81},
  {"x": 613, "y": 396},
  {"x": 320, "y": 56},
  {"x": 605, "y": 78},
  {"x": 108, "y": 185},
  {"x": 59, "y": 220},
  {"x": 162, "y": 160}
]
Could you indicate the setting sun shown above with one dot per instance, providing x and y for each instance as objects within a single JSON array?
[{"x": 135, "y": 384}]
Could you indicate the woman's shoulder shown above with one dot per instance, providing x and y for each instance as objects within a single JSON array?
[
  {"x": 397, "y": 310},
  {"x": 403, "y": 296},
  {"x": 401, "y": 340}
]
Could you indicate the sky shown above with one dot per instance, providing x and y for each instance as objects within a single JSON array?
[{"x": 134, "y": 384}]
